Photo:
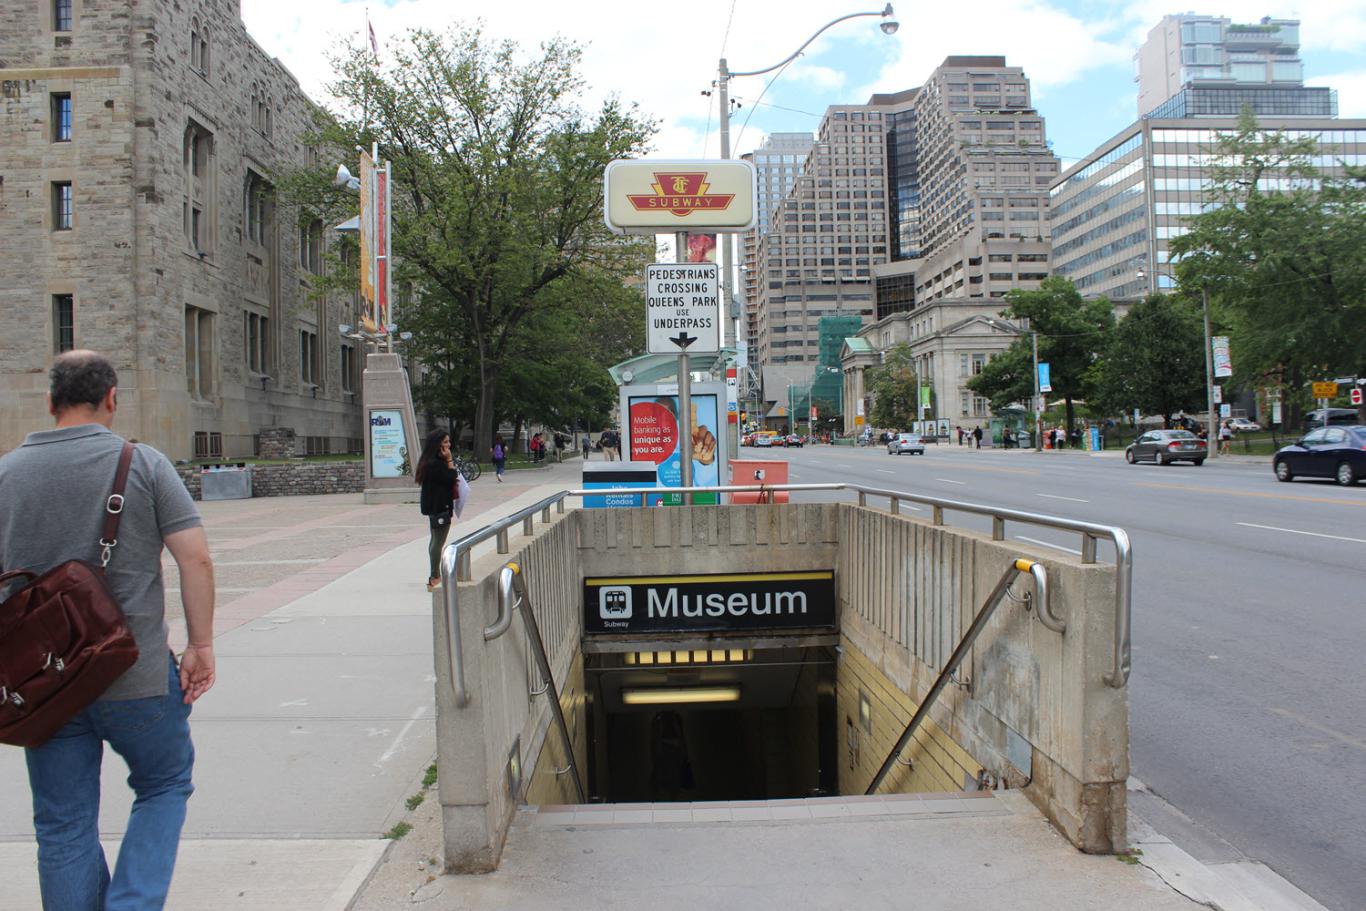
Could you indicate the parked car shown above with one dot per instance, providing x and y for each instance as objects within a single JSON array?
[
  {"x": 1243, "y": 425},
  {"x": 1167, "y": 446},
  {"x": 763, "y": 439},
  {"x": 1339, "y": 416},
  {"x": 794, "y": 440},
  {"x": 906, "y": 442},
  {"x": 1326, "y": 452}
]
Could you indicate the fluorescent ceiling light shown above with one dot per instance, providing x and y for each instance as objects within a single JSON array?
[{"x": 680, "y": 695}]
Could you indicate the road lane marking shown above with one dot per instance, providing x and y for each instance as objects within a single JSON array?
[
  {"x": 886, "y": 471},
  {"x": 1053, "y": 496},
  {"x": 1312, "y": 534},
  {"x": 1048, "y": 544},
  {"x": 951, "y": 481},
  {"x": 1322, "y": 729},
  {"x": 1265, "y": 496}
]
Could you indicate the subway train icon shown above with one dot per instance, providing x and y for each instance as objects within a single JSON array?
[{"x": 614, "y": 603}]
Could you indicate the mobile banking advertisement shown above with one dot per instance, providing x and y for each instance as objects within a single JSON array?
[{"x": 652, "y": 432}]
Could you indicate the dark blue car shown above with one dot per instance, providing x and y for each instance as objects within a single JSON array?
[{"x": 1328, "y": 452}]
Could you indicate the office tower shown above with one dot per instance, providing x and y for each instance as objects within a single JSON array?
[
  {"x": 777, "y": 163},
  {"x": 1209, "y": 66}
]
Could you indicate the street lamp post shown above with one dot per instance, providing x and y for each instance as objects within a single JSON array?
[
  {"x": 723, "y": 78},
  {"x": 1211, "y": 423}
]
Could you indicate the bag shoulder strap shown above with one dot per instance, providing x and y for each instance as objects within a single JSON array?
[{"x": 113, "y": 506}]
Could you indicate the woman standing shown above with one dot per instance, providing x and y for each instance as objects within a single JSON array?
[
  {"x": 499, "y": 454},
  {"x": 436, "y": 473}
]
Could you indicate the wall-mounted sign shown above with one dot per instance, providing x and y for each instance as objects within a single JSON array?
[
  {"x": 647, "y": 196},
  {"x": 608, "y": 476},
  {"x": 709, "y": 603},
  {"x": 651, "y": 424},
  {"x": 388, "y": 444}
]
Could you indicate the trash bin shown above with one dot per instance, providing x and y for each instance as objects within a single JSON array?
[{"x": 225, "y": 482}]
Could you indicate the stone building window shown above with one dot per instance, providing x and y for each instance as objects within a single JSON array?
[
  {"x": 258, "y": 211},
  {"x": 61, "y": 117},
  {"x": 63, "y": 206},
  {"x": 199, "y": 202},
  {"x": 261, "y": 120},
  {"x": 63, "y": 322},
  {"x": 199, "y": 352},
  {"x": 256, "y": 333},
  {"x": 62, "y": 15},
  {"x": 350, "y": 372},
  {"x": 308, "y": 357},
  {"x": 311, "y": 245},
  {"x": 199, "y": 47}
]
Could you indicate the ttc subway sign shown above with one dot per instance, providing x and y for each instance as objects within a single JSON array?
[
  {"x": 682, "y": 308},
  {"x": 648, "y": 196}
]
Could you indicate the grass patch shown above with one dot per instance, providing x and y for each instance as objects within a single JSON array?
[
  {"x": 398, "y": 831},
  {"x": 1130, "y": 856},
  {"x": 429, "y": 777},
  {"x": 412, "y": 803}
]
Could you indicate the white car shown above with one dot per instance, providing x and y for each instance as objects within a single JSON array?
[
  {"x": 906, "y": 442},
  {"x": 1243, "y": 425}
]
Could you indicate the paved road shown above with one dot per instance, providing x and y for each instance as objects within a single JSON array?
[{"x": 1247, "y": 711}]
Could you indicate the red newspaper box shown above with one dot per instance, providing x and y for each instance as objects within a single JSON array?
[{"x": 758, "y": 471}]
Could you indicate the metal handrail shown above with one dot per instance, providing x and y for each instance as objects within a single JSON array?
[
  {"x": 455, "y": 559},
  {"x": 511, "y": 595},
  {"x": 979, "y": 623}
]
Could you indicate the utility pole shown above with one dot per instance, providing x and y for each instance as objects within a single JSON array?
[
  {"x": 1211, "y": 435},
  {"x": 1038, "y": 413}
]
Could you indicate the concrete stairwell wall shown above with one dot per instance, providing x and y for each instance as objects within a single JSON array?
[
  {"x": 1028, "y": 705},
  {"x": 501, "y": 732}
]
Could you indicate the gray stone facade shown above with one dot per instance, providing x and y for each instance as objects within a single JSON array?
[{"x": 177, "y": 264}]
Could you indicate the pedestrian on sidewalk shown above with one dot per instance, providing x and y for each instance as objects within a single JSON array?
[
  {"x": 1225, "y": 437},
  {"x": 438, "y": 477},
  {"x": 499, "y": 454},
  {"x": 977, "y": 435},
  {"x": 587, "y": 447},
  {"x": 53, "y": 492}
]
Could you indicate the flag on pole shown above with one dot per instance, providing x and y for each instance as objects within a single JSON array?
[{"x": 374, "y": 43}]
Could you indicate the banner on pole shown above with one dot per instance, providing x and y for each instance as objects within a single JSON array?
[
  {"x": 1045, "y": 384},
  {"x": 1223, "y": 364}
]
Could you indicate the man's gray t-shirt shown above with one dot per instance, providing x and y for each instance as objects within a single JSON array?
[{"x": 52, "y": 494}]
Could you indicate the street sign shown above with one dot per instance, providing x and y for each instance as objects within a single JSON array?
[
  {"x": 1218, "y": 394},
  {"x": 648, "y": 196},
  {"x": 682, "y": 308},
  {"x": 1325, "y": 390},
  {"x": 1356, "y": 395}
]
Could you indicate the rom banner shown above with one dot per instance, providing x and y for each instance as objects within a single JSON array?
[{"x": 756, "y": 602}]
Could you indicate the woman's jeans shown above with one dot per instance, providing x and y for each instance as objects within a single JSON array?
[
  {"x": 153, "y": 737},
  {"x": 498, "y": 466},
  {"x": 438, "y": 541}
]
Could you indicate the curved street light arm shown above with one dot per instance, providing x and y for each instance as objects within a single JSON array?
[{"x": 797, "y": 53}]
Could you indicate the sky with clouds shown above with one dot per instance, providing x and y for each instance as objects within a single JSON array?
[{"x": 1078, "y": 54}]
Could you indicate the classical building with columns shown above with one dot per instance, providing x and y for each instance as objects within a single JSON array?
[{"x": 140, "y": 139}]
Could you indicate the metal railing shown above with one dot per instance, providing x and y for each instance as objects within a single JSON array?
[
  {"x": 979, "y": 623},
  {"x": 455, "y": 559}
]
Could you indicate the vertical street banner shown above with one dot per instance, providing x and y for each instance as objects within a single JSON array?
[
  {"x": 1223, "y": 364},
  {"x": 1045, "y": 381},
  {"x": 382, "y": 246},
  {"x": 367, "y": 227}
]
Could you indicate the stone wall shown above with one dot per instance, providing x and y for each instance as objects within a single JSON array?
[
  {"x": 295, "y": 480},
  {"x": 129, "y": 261},
  {"x": 277, "y": 443}
]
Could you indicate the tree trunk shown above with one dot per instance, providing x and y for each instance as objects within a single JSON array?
[
  {"x": 1071, "y": 417},
  {"x": 484, "y": 413}
]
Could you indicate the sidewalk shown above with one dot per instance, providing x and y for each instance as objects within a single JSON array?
[{"x": 321, "y": 723}]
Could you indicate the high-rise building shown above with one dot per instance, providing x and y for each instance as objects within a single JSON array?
[
  {"x": 1114, "y": 213},
  {"x": 139, "y": 220},
  {"x": 823, "y": 238},
  {"x": 1209, "y": 66},
  {"x": 777, "y": 164}
]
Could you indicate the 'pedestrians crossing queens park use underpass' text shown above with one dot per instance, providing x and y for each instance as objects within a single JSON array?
[{"x": 681, "y": 322}]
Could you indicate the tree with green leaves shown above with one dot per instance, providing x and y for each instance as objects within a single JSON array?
[
  {"x": 1280, "y": 253},
  {"x": 497, "y": 195},
  {"x": 1154, "y": 360},
  {"x": 892, "y": 387},
  {"x": 1072, "y": 331}
]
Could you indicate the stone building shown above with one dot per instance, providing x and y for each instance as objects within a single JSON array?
[{"x": 140, "y": 140}]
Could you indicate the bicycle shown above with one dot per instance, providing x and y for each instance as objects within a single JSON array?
[{"x": 470, "y": 468}]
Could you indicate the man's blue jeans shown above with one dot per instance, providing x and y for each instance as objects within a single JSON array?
[{"x": 153, "y": 737}]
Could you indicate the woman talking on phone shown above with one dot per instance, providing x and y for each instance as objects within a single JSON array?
[{"x": 437, "y": 475}]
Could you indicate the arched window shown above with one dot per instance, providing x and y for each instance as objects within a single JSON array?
[
  {"x": 255, "y": 110},
  {"x": 200, "y": 209},
  {"x": 194, "y": 44},
  {"x": 204, "y": 50}
]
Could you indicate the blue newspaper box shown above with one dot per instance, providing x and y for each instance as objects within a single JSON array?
[{"x": 607, "y": 476}]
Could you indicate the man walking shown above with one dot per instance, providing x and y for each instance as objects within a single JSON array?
[{"x": 53, "y": 490}]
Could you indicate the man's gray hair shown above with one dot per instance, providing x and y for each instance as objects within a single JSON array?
[{"x": 80, "y": 378}]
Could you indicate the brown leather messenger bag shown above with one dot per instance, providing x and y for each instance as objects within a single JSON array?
[{"x": 63, "y": 638}]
